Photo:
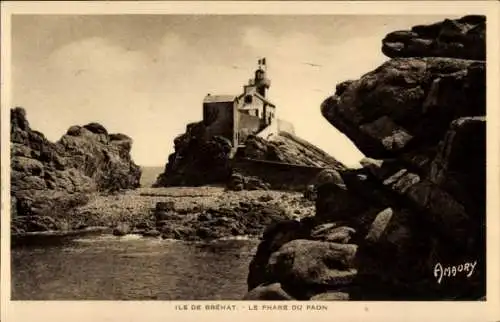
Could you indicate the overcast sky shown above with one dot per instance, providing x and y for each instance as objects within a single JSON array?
[{"x": 146, "y": 75}]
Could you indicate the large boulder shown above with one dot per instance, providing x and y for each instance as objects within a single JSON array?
[
  {"x": 306, "y": 266},
  {"x": 333, "y": 233},
  {"x": 404, "y": 107},
  {"x": 274, "y": 236},
  {"x": 458, "y": 38},
  {"x": 313, "y": 262}
]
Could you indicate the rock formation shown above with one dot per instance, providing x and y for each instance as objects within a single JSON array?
[
  {"x": 460, "y": 38},
  {"x": 382, "y": 232},
  {"x": 200, "y": 160},
  {"x": 196, "y": 160},
  {"x": 244, "y": 219},
  {"x": 48, "y": 179}
]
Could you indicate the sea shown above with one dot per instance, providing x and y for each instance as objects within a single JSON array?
[
  {"x": 131, "y": 268},
  {"x": 149, "y": 175}
]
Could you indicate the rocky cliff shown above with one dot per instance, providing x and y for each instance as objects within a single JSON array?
[
  {"x": 200, "y": 160},
  {"x": 409, "y": 225},
  {"x": 48, "y": 179},
  {"x": 196, "y": 160}
]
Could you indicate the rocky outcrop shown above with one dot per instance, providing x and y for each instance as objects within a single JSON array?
[
  {"x": 200, "y": 159},
  {"x": 197, "y": 159},
  {"x": 238, "y": 182},
  {"x": 48, "y": 179},
  {"x": 404, "y": 107},
  {"x": 103, "y": 157},
  {"x": 288, "y": 148},
  {"x": 419, "y": 202},
  {"x": 460, "y": 38},
  {"x": 244, "y": 219}
]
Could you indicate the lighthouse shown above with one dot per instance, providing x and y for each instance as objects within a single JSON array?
[{"x": 261, "y": 82}]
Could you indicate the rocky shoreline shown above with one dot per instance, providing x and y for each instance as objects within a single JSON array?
[
  {"x": 72, "y": 184},
  {"x": 189, "y": 214}
]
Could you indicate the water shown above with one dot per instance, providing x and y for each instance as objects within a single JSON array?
[
  {"x": 149, "y": 175},
  {"x": 132, "y": 268}
]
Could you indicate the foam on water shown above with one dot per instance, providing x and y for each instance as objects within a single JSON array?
[
  {"x": 112, "y": 238},
  {"x": 244, "y": 237}
]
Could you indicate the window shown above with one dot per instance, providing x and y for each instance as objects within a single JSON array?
[{"x": 248, "y": 99}]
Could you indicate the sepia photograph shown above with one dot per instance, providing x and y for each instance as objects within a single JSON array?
[{"x": 247, "y": 157}]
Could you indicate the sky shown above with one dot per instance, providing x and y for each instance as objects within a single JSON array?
[{"x": 146, "y": 75}]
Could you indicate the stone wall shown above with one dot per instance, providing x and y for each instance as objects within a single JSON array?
[
  {"x": 247, "y": 125},
  {"x": 279, "y": 176}
]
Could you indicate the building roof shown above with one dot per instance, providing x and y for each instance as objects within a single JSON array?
[
  {"x": 219, "y": 98},
  {"x": 264, "y": 99}
]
